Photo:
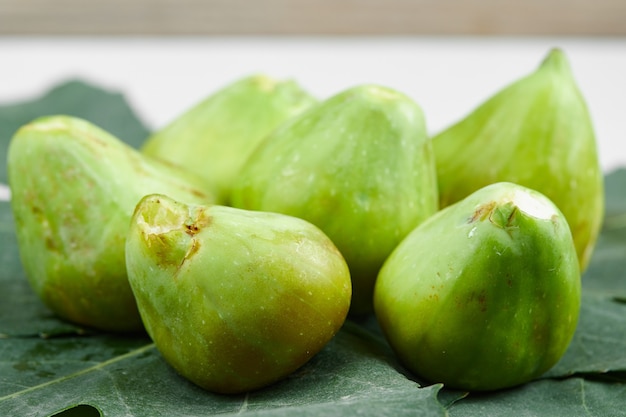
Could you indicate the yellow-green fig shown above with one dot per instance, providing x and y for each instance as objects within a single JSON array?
[
  {"x": 233, "y": 299},
  {"x": 485, "y": 294},
  {"x": 359, "y": 166},
  {"x": 73, "y": 191},
  {"x": 536, "y": 132},
  {"x": 215, "y": 137}
]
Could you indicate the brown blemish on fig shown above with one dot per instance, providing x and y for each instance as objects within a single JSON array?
[
  {"x": 202, "y": 221},
  {"x": 192, "y": 229},
  {"x": 193, "y": 249},
  {"x": 482, "y": 212},
  {"x": 195, "y": 245},
  {"x": 482, "y": 301},
  {"x": 480, "y": 298},
  {"x": 51, "y": 244}
]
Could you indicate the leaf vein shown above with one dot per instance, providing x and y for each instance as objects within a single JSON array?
[{"x": 96, "y": 367}]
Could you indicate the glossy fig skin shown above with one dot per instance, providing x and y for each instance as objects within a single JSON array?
[
  {"x": 73, "y": 191},
  {"x": 359, "y": 166},
  {"x": 233, "y": 299},
  {"x": 485, "y": 294},
  {"x": 536, "y": 132},
  {"x": 214, "y": 138}
]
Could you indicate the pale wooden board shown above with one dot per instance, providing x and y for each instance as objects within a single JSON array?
[{"x": 309, "y": 17}]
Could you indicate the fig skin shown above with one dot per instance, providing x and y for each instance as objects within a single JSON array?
[
  {"x": 233, "y": 299},
  {"x": 359, "y": 166},
  {"x": 485, "y": 294},
  {"x": 214, "y": 138},
  {"x": 73, "y": 191},
  {"x": 536, "y": 132}
]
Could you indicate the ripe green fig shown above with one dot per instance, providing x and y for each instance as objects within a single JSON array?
[
  {"x": 359, "y": 166},
  {"x": 215, "y": 137},
  {"x": 536, "y": 132},
  {"x": 73, "y": 191},
  {"x": 234, "y": 299},
  {"x": 485, "y": 294}
]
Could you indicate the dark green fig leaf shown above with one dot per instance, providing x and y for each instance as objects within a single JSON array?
[
  {"x": 350, "y": 376},
  {"x": 485, "y": 294},
  {"x": 599, "y": 343},
  {"x": 571, "y": 397},
  {"x": 536, "y": 132},
  {"x": 359, "y": 166},
  {"x": 73, "y": 190},
  {"x": 234, "y": 299},
  {"x": 605, "y": 275},
  {"x": 215, "y": 138},
  {"x": 615, "y": 184}
]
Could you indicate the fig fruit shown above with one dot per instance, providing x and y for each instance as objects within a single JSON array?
[
  {"x": 485, "y": 294},
  {"x": 359, "y": 166},
  {"x": 73, "y": 191},
  {"x": 233, "y": 299},
  {"x": 215, "y": 137},
  {"x": 536, "y": 132}
]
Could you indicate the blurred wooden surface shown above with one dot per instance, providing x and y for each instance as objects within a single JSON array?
[{"x": 310, "y": 17}]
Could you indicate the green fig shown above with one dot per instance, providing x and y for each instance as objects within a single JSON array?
[
  {"x": 536, "y": 132},
  {"x": 215, "y": 137},
  {"x": 234, "y": 299},
  {"x": 73, "y": 191},
  {"x": 485, "y": 294},
  {"x": 359, "y": 166}
]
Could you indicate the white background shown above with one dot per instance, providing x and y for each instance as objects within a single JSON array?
[{"x": 448, "y": 77}]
